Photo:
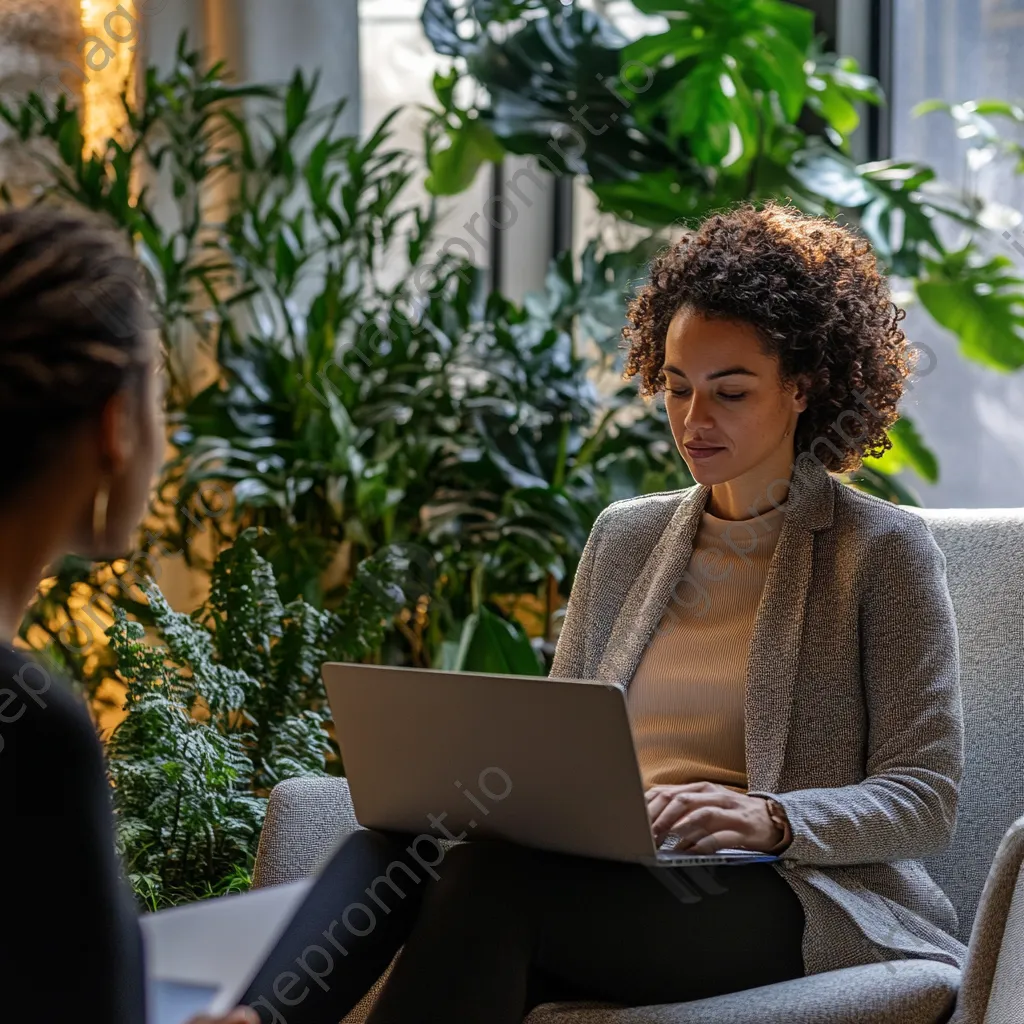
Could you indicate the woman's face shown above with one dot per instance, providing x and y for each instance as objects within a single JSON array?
[
  {"x": 134, "y": 437},
  {"x": 726, "y": 404}
]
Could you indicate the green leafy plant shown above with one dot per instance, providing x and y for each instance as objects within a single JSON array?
[
  {"x": 346, "y": 413},
  {"x": 727, "y": 102},
  {"x": 229, "y": 703},
  {"x": 216, "y": 269},
  {"x": 463, "y": 424}
]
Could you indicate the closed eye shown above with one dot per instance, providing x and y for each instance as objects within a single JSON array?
[{"x": 729, "y": 398}]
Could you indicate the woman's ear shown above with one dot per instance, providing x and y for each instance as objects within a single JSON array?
[
  {"x": 117, "y": 433},
  {"x": 800, "y": 396}
]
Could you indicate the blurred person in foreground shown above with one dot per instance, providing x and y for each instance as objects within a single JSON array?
[{"x": 80, "y": 416}]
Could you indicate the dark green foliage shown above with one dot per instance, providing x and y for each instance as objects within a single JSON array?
[
  {"x": 228, "y": 704},
  {"x": 732, "y": 101},
  {"x": 352, "y": 413},
  {"x": 470, "y": 430}
]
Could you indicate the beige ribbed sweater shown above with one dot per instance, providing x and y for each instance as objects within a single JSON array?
[{"x": 686, "y": 700}]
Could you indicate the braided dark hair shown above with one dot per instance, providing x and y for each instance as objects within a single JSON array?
[{"x": 73, "y": 309}]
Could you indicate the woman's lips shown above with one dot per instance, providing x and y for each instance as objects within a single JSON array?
[{"x": 702, "y": 453}]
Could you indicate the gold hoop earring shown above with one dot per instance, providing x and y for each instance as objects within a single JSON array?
[{"x": 99, "y": 515}]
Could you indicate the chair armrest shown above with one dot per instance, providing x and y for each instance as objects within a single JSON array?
[
  {"x": 992, "y": 990},
  {"x": 903, "y": 991},
  {"x": 306, "y": 819}
]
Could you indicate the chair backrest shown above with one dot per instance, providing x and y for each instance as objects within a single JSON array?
[{"x": 984, "y": 551}]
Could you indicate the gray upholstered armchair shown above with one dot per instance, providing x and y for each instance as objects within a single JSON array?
[{"x": 982, "y": 871}]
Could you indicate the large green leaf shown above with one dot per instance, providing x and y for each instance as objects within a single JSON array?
[
  {"x": 712, "y": 108},
  {"x": 780, "y": 67},
  {"x": 886, "y": 196},
  {"x": 718, "y": 57},
  {"x": 453, "y": 169},
  {"x": 489, "y": 643},
  {"x": 981, "y": 301}
]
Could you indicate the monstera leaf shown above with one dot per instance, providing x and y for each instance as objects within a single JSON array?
[
  {"x": 718, "y": 57},
  {"x": 886, "y": 196},
  {"x": 555, "y": 90},
  {"x": 981, "y": 301}
]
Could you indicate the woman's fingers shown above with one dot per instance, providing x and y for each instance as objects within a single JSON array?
[
  {"x": 720, "y": 840},
  {"x": 708, "y": 817},
  {"x": 667, "y": 810},
  {"x": 664, "y": 808},
  {"x": 660, "y": 796},
  {"x": 700, "y": 823}
]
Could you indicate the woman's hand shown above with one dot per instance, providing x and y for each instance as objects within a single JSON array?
[
  {"x": 239, "y": 1015},
  {"x": 709, "y": 817}
]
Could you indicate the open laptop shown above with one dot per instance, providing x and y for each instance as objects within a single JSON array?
[{"x": 540, "y": 761}]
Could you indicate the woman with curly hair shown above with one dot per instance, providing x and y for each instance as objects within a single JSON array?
[{"x": 788, "y": 650}]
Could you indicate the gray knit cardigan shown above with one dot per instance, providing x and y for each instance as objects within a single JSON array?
[{"x": 852, "y": 706}]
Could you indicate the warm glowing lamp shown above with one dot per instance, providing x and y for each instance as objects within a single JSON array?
[{"x": 110, "y": 38}]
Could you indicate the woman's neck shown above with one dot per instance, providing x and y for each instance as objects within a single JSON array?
[
  {"x": 16, "y": 590},
  {"x": 760, "y": 489},
  {"x": 31, "y": 539},
  {"x": 20, "y": 573}
]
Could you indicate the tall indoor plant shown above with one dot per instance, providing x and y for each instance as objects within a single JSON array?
[{"x": 347, "y": 411}]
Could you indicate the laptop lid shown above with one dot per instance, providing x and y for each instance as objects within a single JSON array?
[{"x": 544, "y": 762}]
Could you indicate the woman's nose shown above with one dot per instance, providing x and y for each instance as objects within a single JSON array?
[{"x": 698, "y": 415}]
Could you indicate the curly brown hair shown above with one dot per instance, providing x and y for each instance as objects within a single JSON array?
[{"x": 813, "y": 291}]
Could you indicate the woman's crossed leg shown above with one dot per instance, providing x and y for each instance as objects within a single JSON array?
[
  {"x": 491, "y": 929},
  {"x": 506, "y": 927}
]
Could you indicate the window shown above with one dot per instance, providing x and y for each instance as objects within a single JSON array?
[
  {"x": 971, "y": 416},
  {"x": 397, "y": 69}
]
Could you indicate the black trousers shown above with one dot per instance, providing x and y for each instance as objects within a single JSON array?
[{"x": 491, "y": 929}]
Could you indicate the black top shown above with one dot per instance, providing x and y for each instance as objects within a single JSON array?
[{"x": 70, "y": 944}]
